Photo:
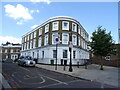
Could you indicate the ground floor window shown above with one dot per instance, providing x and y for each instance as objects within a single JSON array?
[
  {"x": 54, "y": 53},
  {"x": 64, "y": 53}
]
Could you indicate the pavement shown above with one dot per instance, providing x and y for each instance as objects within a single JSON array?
[{"x": 107, "y": 76}]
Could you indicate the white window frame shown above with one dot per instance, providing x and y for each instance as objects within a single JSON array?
[
  {"x": 11, "y": 50},
  {"x": 66, "y": 54},
  {"x": 108, "y": 58},
  {"x": 65, "y": 28},
  {"x": 40, "y": 41},
  {"x": 46, "y": 28},
  {"x": 54, "y": 37},
  {"x": 79, "y": 29},
  {"x": 53, "y": 26},
  {"x": 74, "y": 41},
  {"x": 46, "y": 39},
  {"x": 31, "y": 36},
  {"x": 75, "y": 27},
  {"x": 6, "y": 50},
  {"x": 34, "y": 34},
  {"x": 40, "y": 31},
  {"x": 79, "y": 40},
  {"x": 65, "y": 40},
  {"x": 34, "y": 43}
]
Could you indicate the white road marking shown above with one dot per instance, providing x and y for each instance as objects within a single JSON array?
[{"x": 54, "y": 79}]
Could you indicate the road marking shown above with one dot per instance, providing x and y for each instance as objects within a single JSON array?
[
  {"x": 54, "y": 79},
  {"x": 43, "y": 80}
]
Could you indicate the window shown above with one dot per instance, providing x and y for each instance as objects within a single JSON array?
[
  {"x": 65, "y": 38},
  {"x": 34, "y": 34},
  {"x": 42, "y": 54},
  {"x": 64, "y": 53},
  {"x": 54, "y": 35},
  {"x": 54, "y": 53},
  {"x": 65, "y": 25},
  {"x": 55, "y": 26},
  {"x": 27, "y": 45},
  {"x": 74, "y": 40},
  {"x": 6, "y": 50},
  {"x": 107, "y": 58},
  {"x": 40, "y": 31},
  {"x": 74, "y": 54},
  {"x": 79, "y": 29},
  {"x": 39, "y": 42},
  {"x": 79, "y": 40},
  {"x": 34, "y": 43},
  {"x": 47, "y": 28},
  {"x": 74, "y": 27},
  {"x": 30, "y": 44},
  {"x": 11, "y": 50},
  {"x": 46, "y": 40},
  {"x": 31, "y": 36}
]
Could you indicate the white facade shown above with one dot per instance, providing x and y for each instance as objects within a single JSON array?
[{"x": 48, "y": 55}]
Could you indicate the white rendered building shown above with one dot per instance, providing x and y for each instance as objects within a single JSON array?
[{"x": 40, "y": 43}]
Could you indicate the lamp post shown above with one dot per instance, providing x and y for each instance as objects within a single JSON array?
[
  {"x": 70, "y": 49},
  {"x": 57, "y": 40}
]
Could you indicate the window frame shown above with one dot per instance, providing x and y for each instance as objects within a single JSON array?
[
  {"x": 65, "y": 53},
  {"x": 65, "y": 28},
  {"x": 46, "y": 28},
  {"x": 54, "y": 26},
  {"x": 75, "y": 27}
]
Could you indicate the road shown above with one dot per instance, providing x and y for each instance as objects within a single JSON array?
[{"x": 33, "y": 77}]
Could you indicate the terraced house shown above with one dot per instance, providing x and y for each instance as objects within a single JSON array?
[
  {"x": 40, "y": 43},
  {"x": 10, "y": 51}
]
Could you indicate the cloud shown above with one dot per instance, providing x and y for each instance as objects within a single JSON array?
[
  {"x": 11, "y": 39},
  {"x": 34, "y": 26},
  {"x": 18, "y": 13},
  {"x": 33, "y": 11},
  {"x": 46, "y": 1}
]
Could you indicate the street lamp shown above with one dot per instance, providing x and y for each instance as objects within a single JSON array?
[
  {"x": 70, "y": 49},
  {"x": 57, "y": 41}
]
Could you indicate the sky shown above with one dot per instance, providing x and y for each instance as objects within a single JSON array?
[{"x": 18, "y": 18}]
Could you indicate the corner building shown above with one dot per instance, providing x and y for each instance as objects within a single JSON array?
[{"x": 40, "y": 43}]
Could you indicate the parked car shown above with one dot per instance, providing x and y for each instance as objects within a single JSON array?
[
  {"x": 7, "y": 60},
  {"x": 26, "y": 62}
]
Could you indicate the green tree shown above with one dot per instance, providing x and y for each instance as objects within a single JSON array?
[{"x": 102, "y": 44}]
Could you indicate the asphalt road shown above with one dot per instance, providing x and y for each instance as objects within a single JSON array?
[{"x": 33, "y": 77}]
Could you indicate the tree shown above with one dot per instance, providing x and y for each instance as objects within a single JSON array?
[{"x": 102, "y": 44}]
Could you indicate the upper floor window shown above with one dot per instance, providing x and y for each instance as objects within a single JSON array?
[
  {"x": 34, "y": 43},
  {"x": 65, "y": 25},
  {"x": 79, "y": 40},
  {"x": 30, "y": 44},
  {"x": 11, "y": 51},
  {"x": 55, "y": 26},
  {"x": 6, "y": 50},
  {"x": 74, "y": 39},
  {"x": 54, "y": 36},
  {"x": 46, "y": 40},
  {"x": 74, "y": 27},
  {"x": 39, "y": 42},
  {"x": 79, "y": 29},
  {"x": 65, "y": 38},
  {"x": 40, "y": 31},
  {"x": 31, "y": 36},
  {"x": 34, "y": 34},
  {"x": 47, "y": 28}
]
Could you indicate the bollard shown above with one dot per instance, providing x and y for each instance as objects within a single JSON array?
[{"x": 78, "y": 64}]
